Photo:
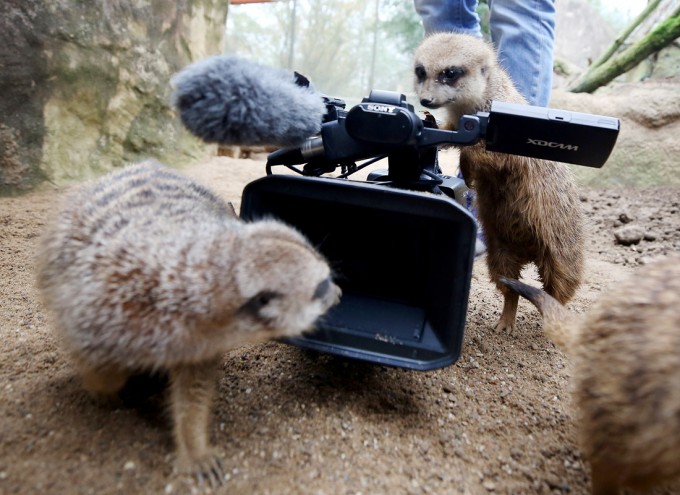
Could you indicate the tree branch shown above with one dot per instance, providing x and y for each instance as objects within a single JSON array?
[
  {"x": 663, "y": 35},
  {"x": 613, "y": 48}
]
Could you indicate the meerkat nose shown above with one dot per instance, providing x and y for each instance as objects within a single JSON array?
[{"x": 426, "y": 102}]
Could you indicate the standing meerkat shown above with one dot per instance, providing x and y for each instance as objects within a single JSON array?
[
  {"x": 146, "y": 270},
  {"x": 626, "y": 375},
  {"x": 528, "y": 208}
]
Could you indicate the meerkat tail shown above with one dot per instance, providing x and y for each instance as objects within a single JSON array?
[{"x": 557, "y": 320}]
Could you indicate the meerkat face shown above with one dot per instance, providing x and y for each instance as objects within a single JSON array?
[
  {"x": 286, "y": 285},
  {"x": 451, "y": 71}
]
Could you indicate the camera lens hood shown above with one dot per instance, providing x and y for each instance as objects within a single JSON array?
[{"x": 403, "y": 260}]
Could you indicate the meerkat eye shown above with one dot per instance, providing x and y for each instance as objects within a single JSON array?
[
  {"x": 450, "y": 75},
  {"x": 322, "y": 289},
  {"x": 421, "y": 74},
  {"x": 255, "y": 304}
]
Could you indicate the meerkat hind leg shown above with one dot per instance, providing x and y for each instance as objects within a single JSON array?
[
  {"x": 602, "y": 478},
  {"x": 507, "y": 320},
  {"x": 510, "y": 268},
  {"x": 559, "y": 283},
  {"x": 191, "y": 397},
  {"x": 103, "y": 382}
]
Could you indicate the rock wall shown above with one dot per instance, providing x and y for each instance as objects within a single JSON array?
[
  {"x": 84, "y": 86},
  {"x": 647, "y": 150}
]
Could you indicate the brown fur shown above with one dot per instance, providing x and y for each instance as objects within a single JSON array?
[
  {"x": 528, "y": 208},
  {"x": 146, "y": 270},
  {"x": 626, "y": 354}
]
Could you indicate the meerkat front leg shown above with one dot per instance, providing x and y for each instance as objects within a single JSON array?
[{"x": 192, "y": 392}]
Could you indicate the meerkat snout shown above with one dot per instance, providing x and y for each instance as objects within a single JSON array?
[
  {"x": 275, "y": 258},
  {"x": 451, "y": 71}
]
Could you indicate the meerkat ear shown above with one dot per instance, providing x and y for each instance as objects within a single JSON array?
[{"x": 274, "y": 229}]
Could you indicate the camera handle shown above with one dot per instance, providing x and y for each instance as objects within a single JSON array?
[
  {"x": 383, "y": 125},
  {"x": 369, "y": 130},
  {"x": 420, "y": 171}
]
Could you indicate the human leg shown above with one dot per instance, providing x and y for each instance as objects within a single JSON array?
[
  {"x": 449, "y": 15},
  {"x": 523, "y": 32}
]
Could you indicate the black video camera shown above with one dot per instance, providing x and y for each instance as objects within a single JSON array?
[{"x": 401, "y": 242}]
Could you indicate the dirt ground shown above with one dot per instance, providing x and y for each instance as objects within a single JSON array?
[{"x": 293, "y": 422}]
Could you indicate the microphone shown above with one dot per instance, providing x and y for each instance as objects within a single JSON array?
[{"x": 227, "y": 99}]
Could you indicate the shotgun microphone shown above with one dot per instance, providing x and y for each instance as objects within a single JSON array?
[{"x": 227, "y": 99}]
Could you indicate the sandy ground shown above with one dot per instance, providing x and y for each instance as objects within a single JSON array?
[{"x": 293, "y": 422}]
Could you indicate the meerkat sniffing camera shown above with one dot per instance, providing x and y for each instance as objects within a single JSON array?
[
  {"x": 146, "y": 270},
  {"x": 528, "y": 208},
  {"x": 626, "y": 375}
]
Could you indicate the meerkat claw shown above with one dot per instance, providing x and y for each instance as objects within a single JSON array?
[
  {"x": 503, "y": 326},
  {"x": 210, "y": 472}
]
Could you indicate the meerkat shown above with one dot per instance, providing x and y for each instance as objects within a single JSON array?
[
  {"x": 528, "y": 208},
  {"x": 146, "y": 270},
  {"x": 626, "y": 375}
]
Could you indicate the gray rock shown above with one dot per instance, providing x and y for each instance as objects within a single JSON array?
[
  {"x": 629, "y": 235},
  {"x": 647, "y": 147},
  {"x": 85, "y": 85}
]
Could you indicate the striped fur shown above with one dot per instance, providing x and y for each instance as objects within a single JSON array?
[
  {"x": 146, "y": 270},
  {"x": 626, "y": 381}
]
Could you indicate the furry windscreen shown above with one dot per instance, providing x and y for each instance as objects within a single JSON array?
[{"x": 227, "y": 99}]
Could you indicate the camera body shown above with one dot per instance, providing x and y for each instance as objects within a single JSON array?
[{"x": 401, "y": 242}]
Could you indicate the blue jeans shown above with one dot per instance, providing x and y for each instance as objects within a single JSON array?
[{"x": 523, "y": 32}]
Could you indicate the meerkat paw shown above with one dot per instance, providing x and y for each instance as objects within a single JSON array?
[
  {"x": 103, "y": 385},
  {"x": 206, "y": 470},
  {"x": 504, "y": 325}
]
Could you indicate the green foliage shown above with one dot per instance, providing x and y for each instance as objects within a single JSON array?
[
  {"x": 617, "y": 18},
  {"x": 483, "y": 13},
  {"x": 250, "y": 37},
  {"x": 332, "y": 43},
  {"x": 401, "y": 24},
  {"x": 661, "y": 36}
]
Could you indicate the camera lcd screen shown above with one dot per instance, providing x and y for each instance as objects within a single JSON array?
[{"x": 402, "y": 259}]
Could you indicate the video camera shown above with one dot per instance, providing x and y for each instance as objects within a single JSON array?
[{"x": 401, "y": 242}]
